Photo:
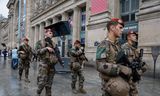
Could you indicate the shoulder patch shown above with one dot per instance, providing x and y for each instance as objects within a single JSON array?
[{"x": 102, "y": 49}]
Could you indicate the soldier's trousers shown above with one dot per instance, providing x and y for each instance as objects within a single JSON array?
[
  {"x": 104, "y": 92},
  {"x": 78, "y": 74},
  {"x": 133, "y": 89},
  {"x": 45, "y": 79},
  {"x": 24, "y": 65}
]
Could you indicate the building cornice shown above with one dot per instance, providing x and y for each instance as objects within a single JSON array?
[
  {"x": 149, "y": 11},
  {"x": 10, "y": 2},
  {"x": 45, "y": 11}
]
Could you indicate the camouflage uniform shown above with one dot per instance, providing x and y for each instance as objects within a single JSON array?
[
  {"x": 132, "y": 53},
  {"x": 25, "y": 59},
  {"x": 112, "y": 83},
  {"x": 77, "y": 61},
  {"x": 46, "y": 70}
]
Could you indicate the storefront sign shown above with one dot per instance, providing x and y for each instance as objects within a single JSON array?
[{"x": 131, "y": 26}]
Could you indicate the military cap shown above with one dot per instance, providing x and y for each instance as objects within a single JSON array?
[
  {"x": 77, "y": 42},
  {"x": 25, "y": 39},
  {"x": 60, "y": 28},
  {"x": 131, "y": 32}
]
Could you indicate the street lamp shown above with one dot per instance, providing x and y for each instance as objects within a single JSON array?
[{"x": 19, "y": 23}]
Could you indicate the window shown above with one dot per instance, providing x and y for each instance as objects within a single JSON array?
[
  {"x": 125, "y": 5},
  {"x": 128, "y": 9},
  {"x": 82, "y": 25},
  {"x": 134, "y": 5},
  {"x": 125, "y": 18},
  {"x": 133, "y": 17}
]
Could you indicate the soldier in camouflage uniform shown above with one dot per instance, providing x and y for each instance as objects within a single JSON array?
[
  {"x": 77, "y": 60},
  {"x": 132, "y": 53},
  {"x": 25, "y": 54},
  {"x": 46, "y": 70},
  {"x": 110, "y": 72}
]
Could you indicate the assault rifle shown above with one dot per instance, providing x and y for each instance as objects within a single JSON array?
[
  {"x": 57, "y": 53},
  {"x": 135, "y": 65},
  {"x": 83, "y": 54}
]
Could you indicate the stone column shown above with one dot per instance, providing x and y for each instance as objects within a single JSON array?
[
  {"x": 114, "y": 7},
  {"x": 54, "y": 19},
  {"x": 14, "y": 26},
  {"x": 76, "y": 25},
  {"x": 38, "y": 33},
  {"x": 35, "y": 35},
  {"x": 41, "y": 32},
  {"x": 64, "y": 41},
  {"x": 11, "y": 31},
  {"x": 28, "y": 15},
  {"x": 47, "y": 23},
  {"x": 32, "y": 36}
]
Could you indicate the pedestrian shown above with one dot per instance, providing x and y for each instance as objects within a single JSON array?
[
  {"x": 25, "y": 54},
  {"x": 46, "y": 51},
  {"x": 77, "y": 60},
  {"x": 14, "y": 52},
  {"x": 113, "y": 84},
  {"x": 0, "y": 52},
  {"x": 138, "y": 66},
  {"x": 5, "y": 53}
]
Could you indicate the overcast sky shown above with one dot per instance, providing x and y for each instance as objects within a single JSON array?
[{"x": 3, "y": 8}]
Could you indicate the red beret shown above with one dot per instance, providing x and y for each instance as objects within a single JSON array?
[
  {"x": 117, "y": 20},
  {"x": 77, "y": 42},
  {"x": 25, "y": 38}
]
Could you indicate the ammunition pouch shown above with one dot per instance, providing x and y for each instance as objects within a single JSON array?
[
  {"x": 22, "y": 56},
  {"x": 76, "y": 66},
  {"x": 53, "y": 59}
]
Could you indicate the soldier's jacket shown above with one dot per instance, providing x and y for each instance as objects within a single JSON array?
[
  {"x": 107, "y": 52},
  {"x": 132, "y": 53},
  {"x": 77, "y": 55},
  {"x": 25, "y": 52},
  {"x": 106, "y": 56},
  {"x": 43, "y": 52}
]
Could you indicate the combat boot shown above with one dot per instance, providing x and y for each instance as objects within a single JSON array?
[
  {"x": 74, "y": 91},
  {"x": 27, "y": 80},
  {"x": 37, "y": 94},
  {"x": 81, "y": 90},
  {"x": 74, "y": 88},
  {"x": 20, "y": 78}
]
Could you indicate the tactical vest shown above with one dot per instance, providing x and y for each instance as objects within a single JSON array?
[
  {"x": 27, "y": 52},
  {"x": 108, "y": 51},
  {"x": 130, "y": 51},
  {"x": 48, "y": 56}
]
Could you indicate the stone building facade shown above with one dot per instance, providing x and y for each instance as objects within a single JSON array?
[
  {"x": 149, "y": 20},
  {"x": 86, "y": 26},
  {"x": 4, "y": 33}
]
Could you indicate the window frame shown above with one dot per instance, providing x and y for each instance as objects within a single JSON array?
[{"x": 130, "y": 12}]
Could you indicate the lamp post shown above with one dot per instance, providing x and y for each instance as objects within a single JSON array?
[{"x": 19, "y": 23}]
